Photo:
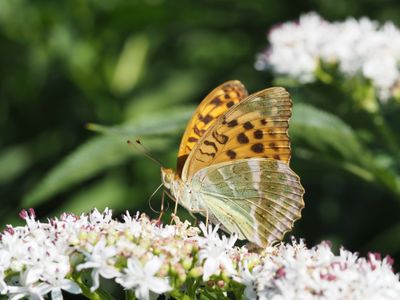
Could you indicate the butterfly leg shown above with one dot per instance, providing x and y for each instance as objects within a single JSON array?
[
  {"x": 175, "y": 209},
  {"x": 162, "y": 207},
  {"x": 196, "y": 220}
]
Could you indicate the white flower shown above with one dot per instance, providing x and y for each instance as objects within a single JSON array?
[
  {"x": 142, "y": 278},
  {"x": 28, "y": 286},
  {"x": 382, "y": 70},
  {"x": 100, "y": 218},
  {"x": 295, "y": 48},
  {"x": 358, "y": 47},
  {"x": 36, "y": 260},
  {"x": 296, "y": 272},
  {"x": 248, "y": 279},
  {"x": 54, "y": 275},
  {"x": 132, "y": 225},
  {"x": 5, "y": 258},
  {"x": 215, "y": 252},
  {"x": 100, "y": 258},
  {"x": 15, "y": 246}
]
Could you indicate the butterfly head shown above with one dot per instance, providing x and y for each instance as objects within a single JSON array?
[{"x": 167, "y": 176}]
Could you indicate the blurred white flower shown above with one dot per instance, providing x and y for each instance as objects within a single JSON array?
[
  {"x": 143, "y": 279},
  {"x": 295, "y": 48},
  {"x": 358, "y": 47},
  {"x": 383, "y": 71}
]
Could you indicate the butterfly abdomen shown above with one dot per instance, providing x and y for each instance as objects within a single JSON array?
[{"x": 184, "y": 194}]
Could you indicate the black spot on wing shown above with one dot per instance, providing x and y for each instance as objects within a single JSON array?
[
  {"x": 273, "y": 146},
  {"x": 258, "y": 134},
  {"x": 242, "y": 138},
  {"x": 232, "y": 123},
  {"x": 216, "y": 101},
  {"x": 248, "y": 125},
  {"x": 206, "y": 119},
  {"x": 231, "y": 154},
  {"x": 257, "y": 148}
]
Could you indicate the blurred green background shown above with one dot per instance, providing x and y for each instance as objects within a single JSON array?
[{"x": 139, "y": 68}]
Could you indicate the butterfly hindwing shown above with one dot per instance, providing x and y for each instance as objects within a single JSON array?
[
  {"x": 255, "y": 127},
  {"x": 213, "y": 106},
  {"x": 258, "y": 198}
]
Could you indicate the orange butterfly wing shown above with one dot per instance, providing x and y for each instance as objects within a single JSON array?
[
  {"x": 217, "y": 102},
  {"x": 254, "y": 127}
]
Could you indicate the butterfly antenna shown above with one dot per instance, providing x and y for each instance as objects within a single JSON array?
[
  {"x": 151, "y": 197},
  {"x": 142, "y": 149}
]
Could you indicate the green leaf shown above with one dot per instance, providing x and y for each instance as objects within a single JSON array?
[
  {"x": 103, "y": 152},
  {"x": 130, "y": 64},
  {"x": 324, "y": 132},
  {"x": 159, "y": 123},
  {"x": 13, "y": 162},
  {"x": 176, "y": 89},
  {"x": 109, "y": 192},
  {"x": 89, "y": 159},
  {"x": 329, "y": 139},
  {"x": 286, "y": 81},
  {"x": 388, "y": 241}
]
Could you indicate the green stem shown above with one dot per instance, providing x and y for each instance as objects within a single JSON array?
[
  {"x": 129, "y": 295},
  {"x": 209, "y": 295},
  {"x": 86, "y": 291},
  {"x": 191, "y": 288},
  {"x": 364, "y": 95},
  {"x": 104, "y": 295},
  {"x": 98, "y": 294},
  {"x": 237, "y": 290},
  {"x": 387, "y": 135}
]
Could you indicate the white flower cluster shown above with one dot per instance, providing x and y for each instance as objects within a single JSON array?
[
  {"x": 145, "y": 258},
  {"x": 296, "y": 272},
  {"x": 357, "y": 47}
]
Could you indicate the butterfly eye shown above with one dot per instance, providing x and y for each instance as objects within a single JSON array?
[{"x": 167, "y": 176}]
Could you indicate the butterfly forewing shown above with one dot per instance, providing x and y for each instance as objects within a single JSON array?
[
  {"x": 220, "y": 100},
  {"x": 257, "y": 198},
  {"x": 255, "y": 127}
]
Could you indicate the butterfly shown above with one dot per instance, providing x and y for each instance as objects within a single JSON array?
[{"x": 233, "y": 164}]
